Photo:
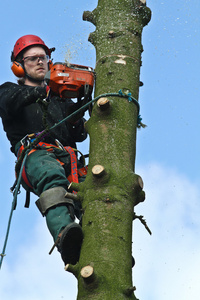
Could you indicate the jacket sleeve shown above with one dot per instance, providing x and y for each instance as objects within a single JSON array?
[{"x": 14, "y": 97}]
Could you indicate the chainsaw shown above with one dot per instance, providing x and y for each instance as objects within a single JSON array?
[{"x": 70, "y": 80}]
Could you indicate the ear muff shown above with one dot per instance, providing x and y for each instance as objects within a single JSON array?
[{"x": 17, "y": 69}]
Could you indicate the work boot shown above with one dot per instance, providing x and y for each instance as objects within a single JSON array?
[{"x": 70, "y": 243}]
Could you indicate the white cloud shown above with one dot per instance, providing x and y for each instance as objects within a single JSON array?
[{"x": 167, "y": 263}]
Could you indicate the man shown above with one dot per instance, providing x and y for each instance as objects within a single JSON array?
[{"x": 26, "y": 112}]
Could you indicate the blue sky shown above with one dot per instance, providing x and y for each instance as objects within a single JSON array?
[{"x": 167, "y": 263}]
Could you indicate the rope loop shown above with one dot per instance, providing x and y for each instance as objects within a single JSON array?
[{"x": 127, "y": 94}]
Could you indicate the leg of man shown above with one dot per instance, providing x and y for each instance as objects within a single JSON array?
[{"x": 49, "y": 181}]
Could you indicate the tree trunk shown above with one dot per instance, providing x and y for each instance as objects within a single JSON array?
[{"x": 112, "y": 189}]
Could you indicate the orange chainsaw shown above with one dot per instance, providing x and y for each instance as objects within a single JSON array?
[{"x": 70, "y": 81}]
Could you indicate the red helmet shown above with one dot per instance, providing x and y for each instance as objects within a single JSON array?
[{"x": 26, "y": 41}]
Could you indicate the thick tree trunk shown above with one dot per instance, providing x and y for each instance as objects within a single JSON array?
[{"x": 112, "y": 189}]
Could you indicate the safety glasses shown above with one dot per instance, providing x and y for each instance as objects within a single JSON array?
[{"x": 36, "y": 58}]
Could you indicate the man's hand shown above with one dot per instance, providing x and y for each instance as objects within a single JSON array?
[{"x": 76, "y": 117}]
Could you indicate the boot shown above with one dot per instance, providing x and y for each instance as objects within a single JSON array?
[{"x": 70, "y": 243}]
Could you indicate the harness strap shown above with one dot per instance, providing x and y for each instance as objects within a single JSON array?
[
  {"x": 74, "y": 173},
  {"x": 24, "y": 175},
  {"x": 28, "y": 198},
  {"x": 73, "y": 177},
  {"x": 81, "y": 172}
]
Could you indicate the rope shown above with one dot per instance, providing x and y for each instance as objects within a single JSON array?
[
  {"x": 15, "y": 193},
  {"x": 119, "y": 94}
]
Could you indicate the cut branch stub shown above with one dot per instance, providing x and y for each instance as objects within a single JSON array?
[
  {"x": 87, "y": 273},
  {"x": 89, "y": 16},
  {"x": 139, "y": 198},
  {"x": 73, "y": 186},
  {"x": 111, "y": 34},
  {"x": 72, "y": 269},
  {"x": 129, "y": 291},
  {"x": 145, "y": 14},
  {"x": 92, "y": 38},
  {"x": 72, "y": 196},
  {"x": 98, "y": 171},
  {"x": 103, "y": 103},
  {"x": 140, "y": 182}
]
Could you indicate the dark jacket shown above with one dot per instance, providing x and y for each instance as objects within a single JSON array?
[{"x": 22, "y": 115}]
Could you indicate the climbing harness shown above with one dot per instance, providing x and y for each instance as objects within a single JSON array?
[
  {"x": 73, "y": 177},
  {"x": 30, "y": 142}
]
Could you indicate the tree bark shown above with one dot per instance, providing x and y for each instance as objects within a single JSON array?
[{"x": 112, "y": 189}]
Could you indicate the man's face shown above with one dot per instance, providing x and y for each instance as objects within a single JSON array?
[{"x": 35, "y": 62}]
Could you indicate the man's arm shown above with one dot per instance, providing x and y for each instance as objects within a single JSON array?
[{"x": 14, "y": 97}]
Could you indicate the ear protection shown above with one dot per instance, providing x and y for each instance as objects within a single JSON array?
[{"x": 18, "y": 69}]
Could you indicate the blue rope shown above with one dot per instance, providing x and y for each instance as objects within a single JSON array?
[
  {"x": 119, "y": 94},
  {"x": 16, "y": 191}
]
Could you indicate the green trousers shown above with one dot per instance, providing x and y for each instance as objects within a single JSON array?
[
  {"x": 57, "y": 219},
  {"x": 44, "y": 172}
]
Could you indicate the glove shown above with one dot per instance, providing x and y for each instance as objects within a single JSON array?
[{"x": 76, "y": 117}]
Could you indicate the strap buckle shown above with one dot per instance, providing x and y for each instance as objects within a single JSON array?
[{"x": 27, "y": 139}]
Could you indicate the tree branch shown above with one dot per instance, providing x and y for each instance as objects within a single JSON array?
[
  {"x": 74, "y": 187},
  {"x": 89, "y": 16},
  {"x": 143, "y": 221},
  {"x": 73, "y": 196},
  {"x": 74, "y": 269}
]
